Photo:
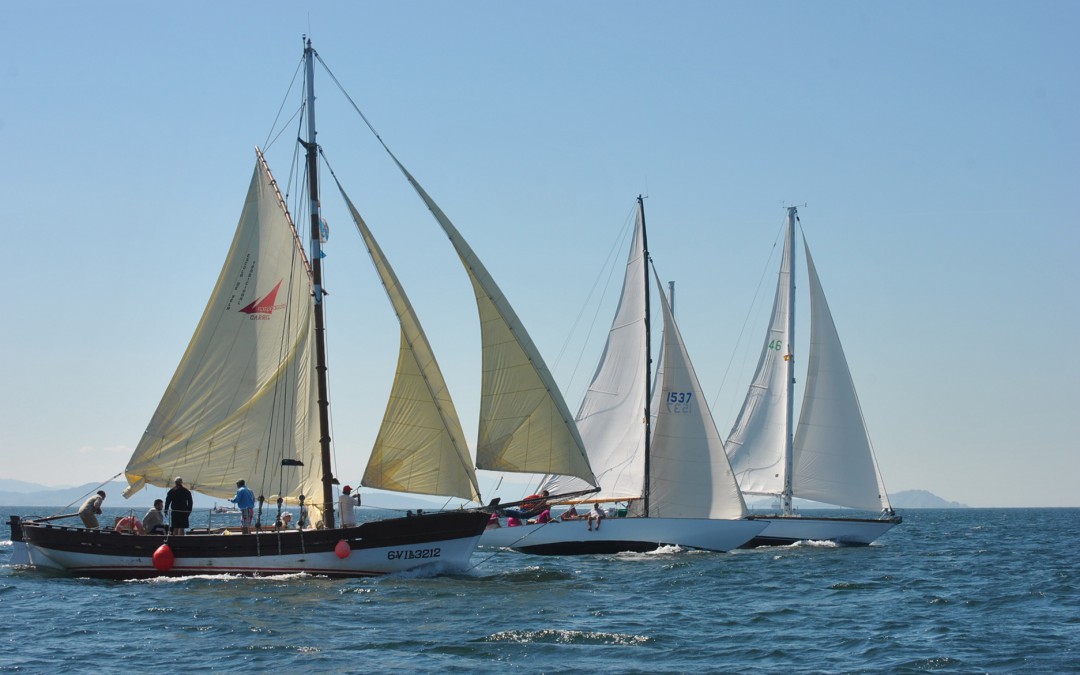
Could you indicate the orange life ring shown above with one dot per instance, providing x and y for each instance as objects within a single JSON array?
[{"x": 129, "y": 524}]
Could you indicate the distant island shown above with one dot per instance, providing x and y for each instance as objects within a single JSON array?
[
  {"x": 921, "y": 499},
  {"x": 20, "y": 493},
  {"x": 905, "y": 499}
]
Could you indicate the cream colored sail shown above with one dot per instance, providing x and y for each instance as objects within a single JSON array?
[
  {"x": 525, "y": 426},
  {"x": 243, "y": 398},
  {"x": 420, "y": 447}
]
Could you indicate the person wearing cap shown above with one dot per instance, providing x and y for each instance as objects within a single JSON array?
[
  {"x": 91, "y": 509},
  {"x": 346, "y": 502},
  {"x": 245, "y": 501},
  {"x": 178, "y": 498}
]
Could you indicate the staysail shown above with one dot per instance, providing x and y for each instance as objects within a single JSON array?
[
  {"x": 242, "y": 403},
  {"x": 689, "y": 473},
  {"x": 421, "y": 447},
  {"x": 525, "y": 426}
]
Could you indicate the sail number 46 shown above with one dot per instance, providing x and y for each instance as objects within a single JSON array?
[{"x": 679, "y": 401}]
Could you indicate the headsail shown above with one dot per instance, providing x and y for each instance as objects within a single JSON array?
[
  {"x": 833, "y": 459},
  {"x": 243, "y": 398},
  {"x": 525, "y": 426},
  {"x": 690, "y": 476},
  {"x": 420, "y": 447}
]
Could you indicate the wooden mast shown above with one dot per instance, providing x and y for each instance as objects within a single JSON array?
[{"x": 316, "y": 277}]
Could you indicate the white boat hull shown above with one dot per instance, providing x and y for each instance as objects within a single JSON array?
[
  {"x": 787, "y": 530},
  {"x": 616, "y": 535}
]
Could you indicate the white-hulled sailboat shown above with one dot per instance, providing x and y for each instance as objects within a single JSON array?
[
  {"x": 249, "y": 401},
  {"x": 828, "y": 458},
  {"x": 673, "y": 479}
]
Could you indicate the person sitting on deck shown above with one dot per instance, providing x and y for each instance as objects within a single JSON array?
[
  {"x": 570, "y": 514},
  {"x": 596, "y": 515},
  {"x": 154, "y": 520}
]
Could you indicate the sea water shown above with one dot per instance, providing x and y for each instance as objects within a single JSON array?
[{"x": 950, "y": 591}]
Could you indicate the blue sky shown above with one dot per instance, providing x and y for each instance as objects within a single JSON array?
[{"x": 935, "y": 145}]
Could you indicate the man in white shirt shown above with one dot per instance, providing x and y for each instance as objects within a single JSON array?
[{"x": 346, "y": 502}]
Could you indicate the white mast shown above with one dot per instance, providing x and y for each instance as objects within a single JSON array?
[{"x": 789, "y": 363}]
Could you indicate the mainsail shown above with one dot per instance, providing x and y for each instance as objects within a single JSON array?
[
  {"x": 243, "y": 398},
  {"x": 611, "y": 416},
  {"x": 761, "y": 436},
  {"x": 421, "y": 447}
]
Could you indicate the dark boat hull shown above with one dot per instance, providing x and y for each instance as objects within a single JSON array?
[
  {"x": 788, "y": 530},
  {"x": 444, "y": 541}
]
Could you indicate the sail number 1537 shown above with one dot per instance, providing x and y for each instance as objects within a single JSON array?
[{"x": 679, "y": 401}]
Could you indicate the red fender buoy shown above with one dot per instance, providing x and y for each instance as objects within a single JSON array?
[
  {"x": 164, "y": 558},
  {"x": 343, "y": 550}
]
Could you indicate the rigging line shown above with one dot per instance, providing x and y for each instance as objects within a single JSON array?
[
  {"x": 271, "y": 141},
  {"x": 609, "y": 266},
  {"x": 93, "y": 491},
  {"x": 746, "y": 319},
  {"x": 284, "y": 100}
]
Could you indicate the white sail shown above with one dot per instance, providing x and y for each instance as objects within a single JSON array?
[
  {"x": 525, "y": 426},
  {"x": 243, "y": 397},
  {"x": 833, "y": 459},
  {"x": 421, "y": 447},
  {"x": 757, "y": 442},
  {"x": 689, "y": 473},
  {"x": 611, "y": 418}
]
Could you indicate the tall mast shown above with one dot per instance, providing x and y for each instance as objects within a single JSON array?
[
  {"x": 789, "y": 363},
  {"x": 648, "y": 355},
  {"x": 316, "y": 279}
]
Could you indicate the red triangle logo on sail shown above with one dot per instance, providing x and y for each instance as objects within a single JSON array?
[{"x": 264, "y": 305}]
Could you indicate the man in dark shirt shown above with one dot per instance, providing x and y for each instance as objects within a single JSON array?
[{"x": 179, "y": 500}]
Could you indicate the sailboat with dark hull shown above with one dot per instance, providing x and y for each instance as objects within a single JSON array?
[
  {"x": 250, "y": 401},
  {"x": 827, "y": 457}
]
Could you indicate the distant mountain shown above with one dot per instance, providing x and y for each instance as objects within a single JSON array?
[
  {"x": 19, "y": 493},
  {"x": 921, "y": 499},
  {"x": 905, "y": 499}
]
